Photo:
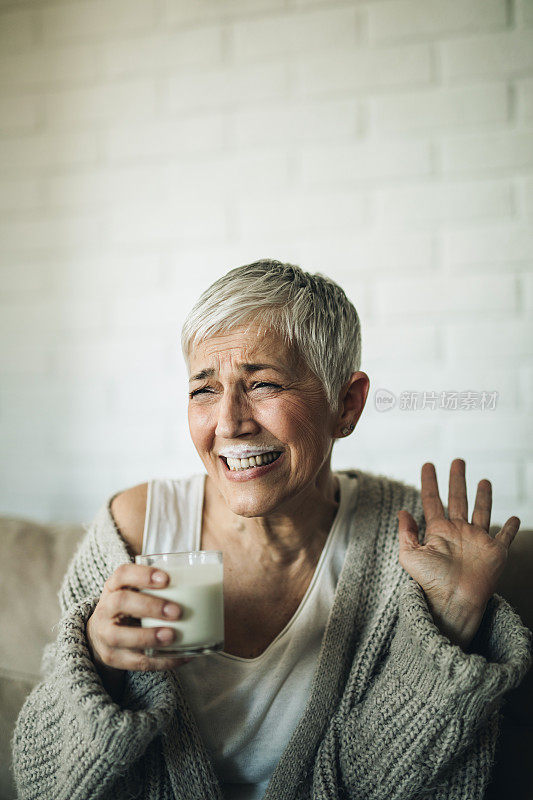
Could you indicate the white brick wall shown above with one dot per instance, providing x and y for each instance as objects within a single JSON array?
[
  {"x": 363, "y": 69},
  {"x": 290, "y": 33},
  {"x": 17, "y": 31},
  {"x": 394, "y": 19},
  {"x": 492, "y": 152},
  {"x": 488, "y": 56},
  {"x": 147, "y": 146},
  {"x": 47, "y": 67},
  {"x": 524, "y": 92},
  {"x": 439, "y": 109},
  {"x": 161, "y": 52},
  {"x": 90, "y": 19}
]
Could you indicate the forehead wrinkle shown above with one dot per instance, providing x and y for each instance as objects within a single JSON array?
[
  {"x": 221, "y": 358},
  {"x": 238, "y": 350},
  {"x": 225, "y": 343}
]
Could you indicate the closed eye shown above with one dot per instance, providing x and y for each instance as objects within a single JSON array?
[
  {"x": 198, "y": 391},
  {"x": 257, "y": 385}
]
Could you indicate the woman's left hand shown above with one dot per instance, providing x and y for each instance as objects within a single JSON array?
[{"x": 459, "y": 564}]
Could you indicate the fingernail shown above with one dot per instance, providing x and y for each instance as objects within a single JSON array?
[
  {"x": 158, "y": 577},
  {"x": 171, "y": 610},
  {"x": 165, "y": 635}
]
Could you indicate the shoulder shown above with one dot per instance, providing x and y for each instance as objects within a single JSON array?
[
  {"x": 388, "y": 494},
  {"x": 384, "y": 485},
  {"x": 128, "y": 509}
]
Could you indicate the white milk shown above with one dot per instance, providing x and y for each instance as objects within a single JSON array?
[{"x": 197, "y": 588}]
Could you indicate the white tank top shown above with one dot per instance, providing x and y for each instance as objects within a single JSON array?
[{"x": 248, "y": 708}]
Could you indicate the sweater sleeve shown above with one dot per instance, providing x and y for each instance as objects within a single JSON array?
[
  {"x": 428, "y": 724},
  {"x": 71, "y": 741}
]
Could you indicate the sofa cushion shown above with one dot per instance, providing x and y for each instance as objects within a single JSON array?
[{"x": 33, "y": 560}]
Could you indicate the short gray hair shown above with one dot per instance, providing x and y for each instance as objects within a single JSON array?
[{"x": 310, "y": 312}]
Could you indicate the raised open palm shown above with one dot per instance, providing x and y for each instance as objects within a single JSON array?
[{"x": 459, "y": 563}]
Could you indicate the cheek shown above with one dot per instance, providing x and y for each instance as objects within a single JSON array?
[
  {"x": 199, "y": 426},
  {"x": 304, "y": 423}
]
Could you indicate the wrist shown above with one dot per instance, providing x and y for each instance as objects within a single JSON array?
[
  {"x": 111, "y": 677},
  {"x": 459, "y": 633},
  {"x": 458, "y": 621}
]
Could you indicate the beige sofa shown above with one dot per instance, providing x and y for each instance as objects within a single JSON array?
[{"x": 34, "y": 557}]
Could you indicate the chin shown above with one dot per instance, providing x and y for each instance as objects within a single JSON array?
[
  {"x": 247, "y": 510},
  {"x": 249, "y": 506}
]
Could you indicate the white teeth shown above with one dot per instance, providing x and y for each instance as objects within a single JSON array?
[{"x": 254, "y": 461}]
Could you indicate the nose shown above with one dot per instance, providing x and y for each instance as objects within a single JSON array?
[{"x": 234, "y": 416}]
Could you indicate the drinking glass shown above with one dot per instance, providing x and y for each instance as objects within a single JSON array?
[{"x": 196, "y": 579}]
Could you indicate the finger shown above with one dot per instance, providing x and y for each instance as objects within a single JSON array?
[
  {"x": 509, "y": 531},
  {"x": 128, "y": 603},
  {"x": 431, "y": 502},
  {"x": 139, "y": 576},
  {"x": 483, "y": 505},
  {"x": 457, "y": 501},
  {"x": 137, "y": 638},
  {"x": 407, "y": 530},
  {"x": 133, "y": 661}
]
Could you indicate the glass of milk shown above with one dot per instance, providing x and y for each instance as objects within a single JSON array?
[{"x": 196, "y": 585}]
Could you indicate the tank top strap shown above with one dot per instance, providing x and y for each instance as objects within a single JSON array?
[{"x": 173, "y": 521}]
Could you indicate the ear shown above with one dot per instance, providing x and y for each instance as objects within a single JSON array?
[{"x": 352, "y": 402}]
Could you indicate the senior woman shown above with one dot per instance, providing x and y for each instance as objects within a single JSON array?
[{"x": 366, "y": 654}]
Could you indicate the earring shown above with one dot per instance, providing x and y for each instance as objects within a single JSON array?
[{"x": 346, "y": 431}]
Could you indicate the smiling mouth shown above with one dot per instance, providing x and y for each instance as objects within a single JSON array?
[{"x": 241, "y": 464}]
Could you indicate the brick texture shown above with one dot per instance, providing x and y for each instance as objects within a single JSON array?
[{"x": 148, "y": 146}]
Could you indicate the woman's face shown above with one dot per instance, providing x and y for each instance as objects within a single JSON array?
[{"x": 250, "y": 395}]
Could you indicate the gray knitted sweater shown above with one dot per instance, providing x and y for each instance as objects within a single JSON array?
[{"x": 395, "y": 711}]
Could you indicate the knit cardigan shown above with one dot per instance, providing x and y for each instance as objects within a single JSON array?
[{"x": 395, "y": 710}]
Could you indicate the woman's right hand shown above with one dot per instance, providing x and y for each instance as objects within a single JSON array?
[{"x": 115, "y": 637}]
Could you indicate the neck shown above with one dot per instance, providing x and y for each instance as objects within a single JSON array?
[{"x": 287, "y": 537}]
